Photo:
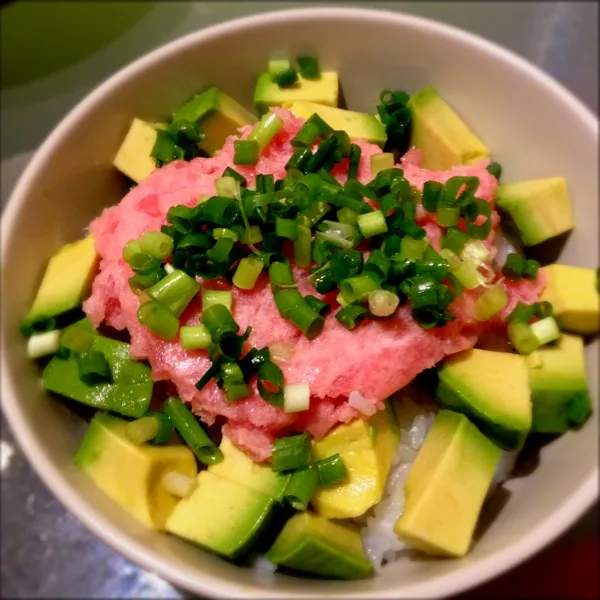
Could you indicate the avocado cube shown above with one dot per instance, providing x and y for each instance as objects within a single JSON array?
[
  {"x": 237, "y": 467},
  {"x": 492, "y": 389},
  {"x": 540, "y": 208},
  {"x": 358, "y": 126},
  {"x": 217, "y": 114},
  {"x": 324, "y": 90},
  {"x": 573, "y": 292},
  {"x": 66, "y": 280},
  {"x": 444, "y": 139},
  {"x": 557, "y": 383},
  {"x": 128, "y": 393},
  {"x": 312, "y": 544},
  {"x": 221, "y": 515},
  {"x": 446, "y": 486},
  {"x": 367, "y": 448},
  {"x": 134, "y": 155},
  {"x": 129, "y": 474}
]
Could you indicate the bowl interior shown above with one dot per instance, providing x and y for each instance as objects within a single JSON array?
[{"x": 534, "y": 128}]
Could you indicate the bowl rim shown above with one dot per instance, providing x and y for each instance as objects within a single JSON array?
[{"x": 205, "y": 583}]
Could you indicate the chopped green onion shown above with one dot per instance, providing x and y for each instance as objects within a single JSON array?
[
  {"x": 495, "y": 169},
  {"x": 211, "y": 297},
  {"x": 219, "y": 253},
  {"x": 221, "y": 233},
  {"x": 543, "y": 309},
  {"x": 423, "y": 292},
  {"x": 265, "y": 130},
  {"x": 306, "y": 136},
  {"x": 77, "y": 339},
  {"x": 270, "y": 382},
  {"x": 296, "y": 397},
  {"x": 354, "y": 162},
  {"x": 138, "y": 260},
  {"x": 513, "y": 267},
  {"x": 431, "y": 195},
  {"x": 280, "y": 274},
  {"x": 341, "y": 300},
  {"x": 531, "y": 269},
  {"x": 191, "y": 431},
  {"x": 219, "y": 321},
  {"x": 194, "y": 337},
  {"x": 278, "y": 65},
  {"x": 411, "y": 249},
  {"x": 175, "y": 291},
  {"x": 285, "y": 78},
  {"x": 372, "y": 223},
  {"x": 159, "y": 319},
  {"x": 357, "y": 289},
  {"x": 318, "y": 305},
  {"x": 169, "y": 268},
  {"x": 302, "y": 246},
  {"x": 247, "y": 273},
  {"x": 245, "y": 152},
  {"x": 331, "y": 470},
  {"x": 299, "y": 159},
  {"x": 93, "y": 367},
  {"x": 377, "y": 265},
  {"x": 448, "y": 216},
  {"x": 580, "y": 408},
  {"x": 251, "y": 235},
  {"x": 227, "y": 187},
  {"x": 293, "y": 307},
  {"x": 475, "y": 251},
  {"x": 301, "y": 487},
  {"x": 381, "y": 162},
  {"x": 291, "y": 453},
  {"x": 352, "y": 315},
  {"x": 178, "y": 484},
  {"x": 233, "y": 382},
  {"x": 521, "y": 313},
  {"x": 483, "y": 208},
  {"x": 522, "y": 337},
  {"x": 454, "y": 239},
  {"x": 468, "y": 274},
  {"x": 546, "y": 330},
  {"x": 335, "y": 237},
  {"x": 155, "y": 427},
  {"x": 286, "y": 228},
  {"x": 43, "y": 344},
  {"x": 309, "y": 67},
  {"x": 229, "y": 172},
  {"x": 156, "y": 244},
  {"x": 347, "y": 216},
  {"x": 141, "y": 281},
  {"x": 491, "y": 302},
  {"x": 383, "y": 303}
]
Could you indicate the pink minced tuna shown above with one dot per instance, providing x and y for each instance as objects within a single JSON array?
[{"x": 376, "y": 359}]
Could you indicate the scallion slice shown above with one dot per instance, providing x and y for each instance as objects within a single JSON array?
[
  {"x": 159, "y": 319},
  {"x": 191, "y": 431},
  {"x": 219, "y": 321},
  {"x": 265, "y": 130},
  {"x": 491, "y": 302},
  {"x": 251, "y": 235},
  {"x": 521, "y": 313},
  {"x": 358, "y": 288},
  {"x": 286, "y": 228},
  {"x": 411, "y": 249},
  {"x": 352, "y": 315},
  {"x": 354, "y": 161},
  {"x": 372, "y": 223},
  {"x": 522, "y": 337},
  {"x": 233, "y": 382},
  {"x": 291, "y": 453},
  {"x": 381, "y": 162},
  {"x": 247, "y": 272},
  {"x": 211, "y": 297},
  {"x": 245, "y": 152},
  {"x": 302, "y": 246},
  {"x": 194, "y": 337},
  {"x": 513, "y": 267},
  {"x": 331, "y": 470},
  {"x": 309, "y": 67},
  {"x": 347, "y": 216},
  {"x": 178, "y": 484},
  {"x": 220, "y": 233},
  {"x": 43, "y": 344},
  {"x": 156, "y": 244},
  {"x": 296, "y": 397},
  {"x": 155, "y": 427},
  {"x": 175, "y": 291},
  {"x": 383, "y": 303},
  {"x": 277, "y": 65},
  {"x": 546, "y": 330},
  {"x": 301, "y": 487},
  {"x": 454, "y": 239},
  {"x": 285, "y": 78},
  {"x": 227, "y": 187},
  {"x": 531, "y": 268},
  {"x": 468, "y": 275}
]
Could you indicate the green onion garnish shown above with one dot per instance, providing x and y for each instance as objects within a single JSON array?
[
  {"x": 270, "y": 382},
  {"x": 423, "y": 291},
  {"x": 372, "y": 223},
  {"x": 227, "y": 187},
  {"x": 542, "y": 309},
  {"x": 411, "y": 249},
  {"x": 301, "y": 487},
  {"x": 43, "y": 344},
  {"x": 491, "y": 302},
  {"x": 318, "y": 305},
  {"x": 277, "y": 66},
  {"x": 286, "y": 228},
  {"x": 232, "y": 381},
  {"x": 296, "y": 397},
  {"x": 220, "y": 233},
  {"x": 93, "y": 367},
  {"x": 138, "y": 260},
  {"x": 299, "y": 159},
  {"x": 229, "y": 172},
  {"x": 155, "y": 427},
  {"x": 352, "y": 315},
  {"x": 247, "y": 273},
  {"x": 219, "y": 321},
  {"x": 309, "y": 67},
  {"x": 513, "y": 267},
  {"x": 291, "y": 453},
  {"x": 251, "y": 235},
  {"x": 245, "y": 152},
  {"x": 347, "y": 216},
  {"x": 212, "y": 297},
  {"x": 545, "y": 330},
  {"x": 431, "y": 195},
  {"x": 531, "y": 268},
  {"x": 307, "y": 135},
  {"x": 175, "y": 291},
  {"x": 156, "y": 244},
  {"x": 302, "y": 246},
  {"x": 354, "y": 161},
  {"x": 77, "y": 339},
  {"x": 285, "y": 78},
  {"x": 358, "y": 288},
  {"x": 194, "y": 337},
  {"x": 159, "y": 319},
  {"x": 454, "y": 239},
  {"x": 521, "y": 313},
  {"x": 383, "y": 303},
  {"x": 191, "y": 431},
  {"x": 381, "y": 162},
  {"x": 580, "y": 408},
  {"x": 522, "y": 337},
  {"x": 265, "y": 130},
  {"x": 495, "y": 169},
  {"x": 331, "y": 470}
]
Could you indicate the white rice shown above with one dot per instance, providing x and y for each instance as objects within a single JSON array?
[{"x": 415, "y": 418}]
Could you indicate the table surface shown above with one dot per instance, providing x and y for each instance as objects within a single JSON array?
[{"x": 46, "y": 552}]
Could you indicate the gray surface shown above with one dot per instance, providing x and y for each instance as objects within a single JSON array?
[{"x": 45, "y": 551}]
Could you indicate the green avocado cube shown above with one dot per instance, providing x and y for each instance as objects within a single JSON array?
[{"x": 128, "y": 393}]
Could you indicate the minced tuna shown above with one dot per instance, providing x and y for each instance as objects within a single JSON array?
[{"x": 376, "y": 359}]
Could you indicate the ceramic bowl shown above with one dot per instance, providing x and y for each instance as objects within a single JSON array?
[{"x": 535, "y": 129}]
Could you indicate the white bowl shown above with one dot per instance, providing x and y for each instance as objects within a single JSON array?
[{"x": 535, "y": 128}]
